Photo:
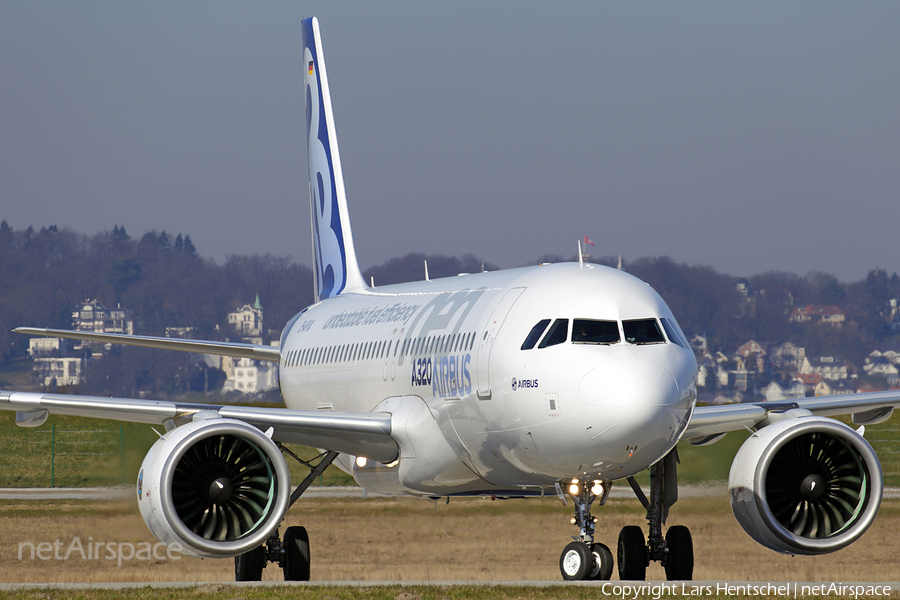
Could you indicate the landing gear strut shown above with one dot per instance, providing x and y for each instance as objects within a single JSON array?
[
  {"x": 584, "y": 558},
  {"x": 675, "y": 551},
  {"x": 291, "y": 552}
]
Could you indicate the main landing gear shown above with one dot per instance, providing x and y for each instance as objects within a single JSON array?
[
  {"x": 292, "y": 551},
  {"x": 584, "y": 559}
]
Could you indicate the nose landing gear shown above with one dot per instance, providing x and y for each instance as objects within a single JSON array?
[{"x": 585, "y": 559}]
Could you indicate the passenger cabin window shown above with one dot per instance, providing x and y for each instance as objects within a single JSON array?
[
  {"x": 588, "y": 331},
  {"x": 535, "y": 334},
  {"x": 642, "y": 331},
  {"x": 559, "y": 333}
]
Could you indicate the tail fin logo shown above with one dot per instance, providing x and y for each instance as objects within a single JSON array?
[{"x": 330, "y": 255}]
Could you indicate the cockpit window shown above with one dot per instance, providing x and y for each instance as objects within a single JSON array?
[
  {"x": 674, "y": 333},
  {"x": 535, "y": 334},
  {"x": 642, "y": 331},
  {"x": 587, "y": 331},
  {"x": 559, "y": 333}
]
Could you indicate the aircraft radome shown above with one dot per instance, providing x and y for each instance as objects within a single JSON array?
[{"x": 554, "y": 379}]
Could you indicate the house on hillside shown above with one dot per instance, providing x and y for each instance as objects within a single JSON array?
[
  {"x": 787, "y": 357},
  {"x": 249, "y": 376},
  {"x": 746, "y": 303},
  {"x": 892, "y": 356},
  {"x": 810, "y": 381},
  {"x": 60, "y": 371},
  {"x": 784, "y": 390},
  {"x": 243, "y": 374},
  {"x": 247, "y": 322},
  {"x": 832, "y": 388},
  {"x": 878, "y": 363},
  {"x": 754, "y": 355},
  {"x": 91, "y": 315},
  {"x": 44, "y": 347},
  {"x": 828, "y": 367},
  {"x": 699, "y": 345},
  {"x": 185, "y": 333},
  {"x": 833, "y": 315}
]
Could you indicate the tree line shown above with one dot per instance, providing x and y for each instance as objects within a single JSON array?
[{"x": 165, "y": 282}]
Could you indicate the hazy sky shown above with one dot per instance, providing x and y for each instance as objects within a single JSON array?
[{"x": 748, "y": 136}]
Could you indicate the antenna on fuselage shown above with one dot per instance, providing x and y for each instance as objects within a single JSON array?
[
  {"x": 580, "y": 255},
  {"x": 426, "y": 271},
  {"x": 372, "y": 280}
]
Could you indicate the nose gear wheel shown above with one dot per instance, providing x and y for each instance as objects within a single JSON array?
[{"x": 584, "y": 559}]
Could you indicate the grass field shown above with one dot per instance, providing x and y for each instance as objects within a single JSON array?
[
  {"x": 81, "y": 452},
  {"x": 92, "y": 452},
  {"x": 420, "y": 540}
]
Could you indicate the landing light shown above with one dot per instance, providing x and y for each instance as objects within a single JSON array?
[
  {"x": 597, "y": 488},
  {"x": 573, "y": 489},
  {"x": 361, "y": 461}
]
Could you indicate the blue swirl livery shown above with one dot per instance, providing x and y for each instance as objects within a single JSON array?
[{"x": 336, "y": 268}]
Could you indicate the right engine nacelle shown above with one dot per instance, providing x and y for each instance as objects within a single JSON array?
[
  {"x": 215, "y": 488},
  {"x": 805, "y": 485}
]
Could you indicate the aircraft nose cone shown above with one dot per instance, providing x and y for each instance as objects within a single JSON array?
[
  {"x": 628, "y": 382},
  {"x": 635, "y": 406}
]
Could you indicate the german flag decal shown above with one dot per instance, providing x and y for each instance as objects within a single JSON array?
[{"x": 310, "y": 67}]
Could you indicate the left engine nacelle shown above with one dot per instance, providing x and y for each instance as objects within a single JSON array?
[
  {"x": 805, "y": 485},
  {"x": 216, "y": 488}
]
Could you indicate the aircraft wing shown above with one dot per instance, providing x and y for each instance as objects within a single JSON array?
[
  {"x": 237, "y": 350},
  {"x": 866, "y": 408},
  {"x": 359, "y": 434}
]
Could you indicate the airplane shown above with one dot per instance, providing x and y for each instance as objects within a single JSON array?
[{"x": 550, "y": 380}]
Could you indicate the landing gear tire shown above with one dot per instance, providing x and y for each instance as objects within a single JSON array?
[
  {"x": 249, "y": 566},
  {"x": 680, "y": 559},
  {"x": 602, "y": 567},
  {"x": 296, "y": 554},
  {"x": 632, "y": 554},
  {"x": 576, "y": 561}
]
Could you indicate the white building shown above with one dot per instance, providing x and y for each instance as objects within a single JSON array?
[
  {"x": 833, "y": 315},
  {"x": 827, "y": 366},
  {"x": 792, "y": 390},
  {"x": 247, "y": 322},
  {"x": 787, "y": 357},
  {"x": 249, "y": 376},
  {"x": 63, "y": 372},
  {"x": 185, "y": 333},
  {"x": 47, "y": 347},
  {"x": 91, "y": 315},
  {"x": 878, "y": 363}
]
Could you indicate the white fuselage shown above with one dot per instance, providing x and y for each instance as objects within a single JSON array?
[{"x": 479, "y": 412}]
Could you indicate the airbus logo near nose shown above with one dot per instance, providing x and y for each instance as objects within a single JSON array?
[{"x": 523, "y": 383}]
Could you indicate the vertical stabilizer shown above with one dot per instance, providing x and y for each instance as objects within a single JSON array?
[{"x": 335, "y": 256}]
